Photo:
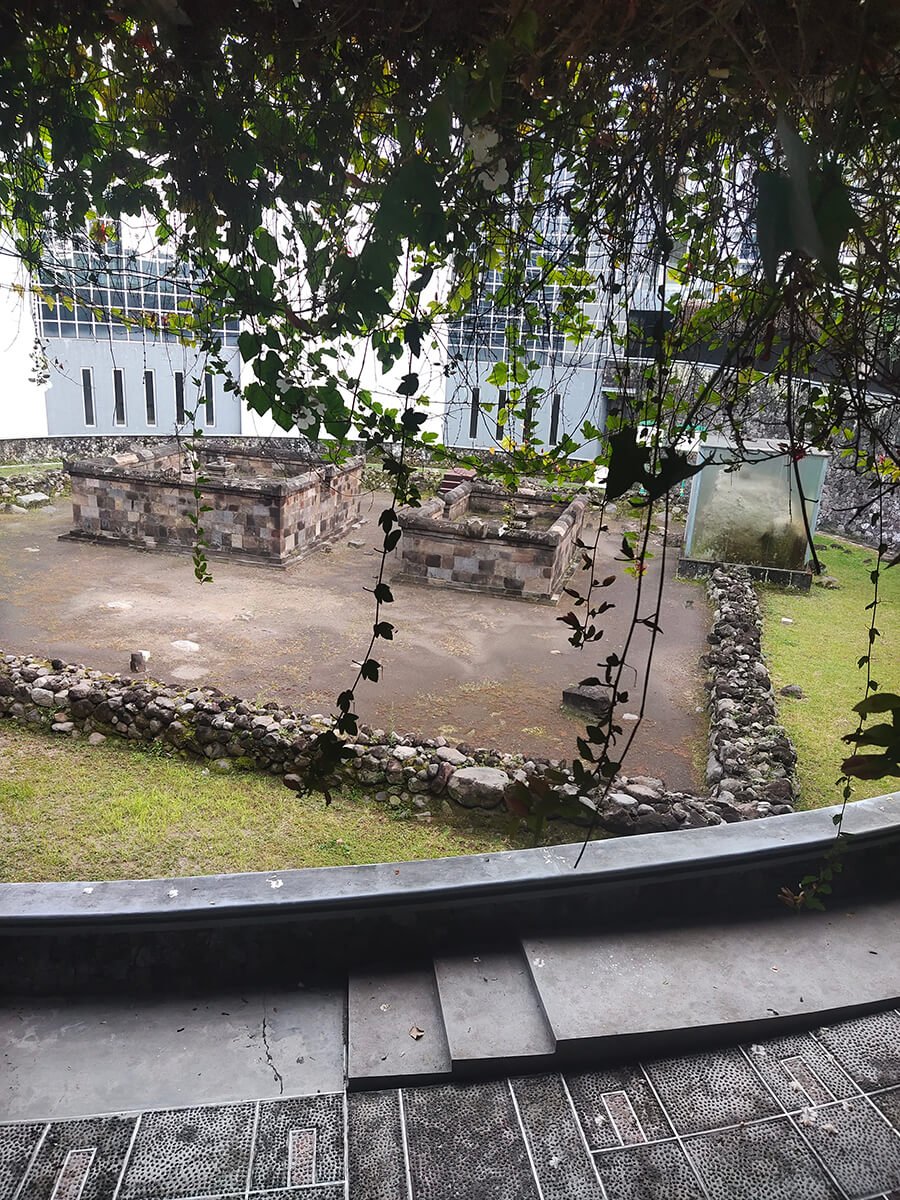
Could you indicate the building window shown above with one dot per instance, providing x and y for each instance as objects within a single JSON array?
[
  {"x": 473, "y": 414},
  {"x": 150, "y": 396},
  {"x": 118, "y": 397},
  {"x": 87, "y": 394},
  {"x": 554, "y": 419},
  {"x": 210, "y": 404},
  {"x": 501, "y": 413},
  {"x": 179, "y": 397},
  {"x": 528, "y": 429}
]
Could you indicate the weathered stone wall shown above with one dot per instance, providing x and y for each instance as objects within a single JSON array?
[
  {"x": 439, "y": 548},
  {"x": 752, "y": 761},
  {"x": 851, "y": 508},
  {"x": 20, "y": 492},
  {"x": 141, "y": 498},
  {"x": 456, "y": 501},
  {"x": 415, "y": 776}
]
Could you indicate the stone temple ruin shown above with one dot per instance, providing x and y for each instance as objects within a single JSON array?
[
  {"x": 261, "y": 509},
  {"x": 483, "y": 538}
]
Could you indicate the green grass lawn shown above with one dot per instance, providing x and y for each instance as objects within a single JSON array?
[
  {"x": 820, "y": 651},
  {"x": 29, "y": 468},
  {"x": 73, "y": 811}
]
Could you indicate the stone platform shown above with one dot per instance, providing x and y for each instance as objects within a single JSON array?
[
  {"x": 813, "y": 1116},
  {"x": 253, "y": 508}
]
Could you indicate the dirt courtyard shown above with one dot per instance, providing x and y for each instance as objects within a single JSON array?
[{"x": 477, "y": 669}]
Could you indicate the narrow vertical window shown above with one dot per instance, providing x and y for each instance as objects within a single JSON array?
[
  {"x": 528, "y": 430},
  {"x": 554, "y": 420},
  {"x": 473, "y": 413},
  {"x": 150, "y": 396},
  {"x": 118, "y": 396},
  {"x": 87, "y": 395},
  {"x": 501, "y": 415},
  {"x": 210, "y": 404},
  {"x": 179, "y": 397}
]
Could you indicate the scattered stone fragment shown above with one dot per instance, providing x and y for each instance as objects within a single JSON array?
[
  {"x": 486, "y": 785},
  {"x": 587, "y": 698},
  {"x": 449, "y": 754},
  {"x": 794, "y": 690},
  {"x": 185, "y": 646}
]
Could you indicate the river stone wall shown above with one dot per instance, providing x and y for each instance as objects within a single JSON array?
[
  {"x": 31, "y": 489},
  {"x": 413, "y": 775},
  {"x": 852, "y": 507},
  {"x": 752, "y": 761}
]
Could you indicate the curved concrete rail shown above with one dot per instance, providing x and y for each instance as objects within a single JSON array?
[{"x": 219, "y": 926}]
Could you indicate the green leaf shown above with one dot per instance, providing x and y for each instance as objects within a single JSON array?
[
  {"x": 499, "y": 374},
  {"x": 370, "y": 670},
  {"x": 412, "y": 336},
  {"x": 774, "y": 235},
  {"x": 436, "y": 125},
  {"x": 266, "y": 246},
  {"x": 627, "y": 464},
  {"x": 525, "y": 28},
  {"x": 409, "y": 385}
]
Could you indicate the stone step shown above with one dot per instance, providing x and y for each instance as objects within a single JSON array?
[
  {"x": 73, "y": 1056},
  {"x": 385, "y": 1011},
  {"x": 652, "y": 991},
  {"x": 492, "y": 1013}
]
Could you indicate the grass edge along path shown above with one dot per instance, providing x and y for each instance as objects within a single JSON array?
[
  {"x": 819, "y": 651},
  {"x": 71, "y": 811}
]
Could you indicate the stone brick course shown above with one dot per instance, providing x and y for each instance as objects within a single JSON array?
[
  {"x": 259, "y": 509},
  {"x": 460, "y": 540}
]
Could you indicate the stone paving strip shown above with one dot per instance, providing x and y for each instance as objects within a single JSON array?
[{"x": 811, "y": 1116}]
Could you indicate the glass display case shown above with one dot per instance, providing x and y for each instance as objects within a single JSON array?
[{"x": 746, "y": 507}]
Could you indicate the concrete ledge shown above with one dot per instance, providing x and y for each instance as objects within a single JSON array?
[
  {"x": 203, "y": 899},
  {"x": 697, "y": 568}
]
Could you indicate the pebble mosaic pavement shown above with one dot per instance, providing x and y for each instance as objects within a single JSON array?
[{"x": 814, "y": 1116}]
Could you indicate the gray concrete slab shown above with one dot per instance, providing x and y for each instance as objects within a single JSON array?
[
  {"x": 68, "y": 1058},
  {"x": 653, "y": 987},
  {"x": 395, "y": 1031},
  {"x": 763, "y": 1121},
  {"x": 491, "y": 1011}
]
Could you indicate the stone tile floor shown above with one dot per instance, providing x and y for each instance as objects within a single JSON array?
[{"x": 815, "y": 1116}]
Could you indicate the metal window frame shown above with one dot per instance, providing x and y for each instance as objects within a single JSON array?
[
  {"x": 89, "y": 372},
  {"x": 120, "y": 372}
]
